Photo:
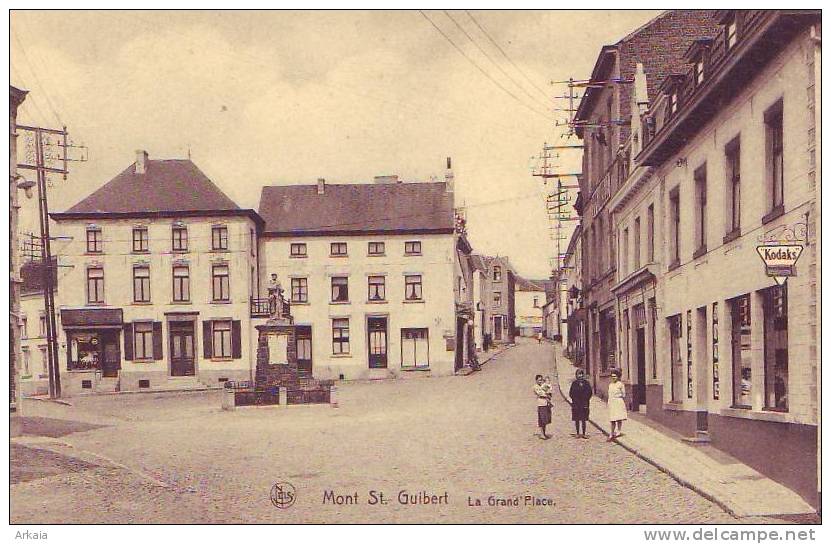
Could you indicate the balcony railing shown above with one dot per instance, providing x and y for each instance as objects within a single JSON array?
[{"x": 261, "y": 307}]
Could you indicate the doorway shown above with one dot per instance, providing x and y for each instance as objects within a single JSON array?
[
  {"x": 111, "y": 351},
  {"x": 304, "y": 350},
  {"x": 639, "y": 388},
  {"x": 182, "y": 348},
  {"x": 497, "y": 327},
  {"x": 377, "y": 341}
]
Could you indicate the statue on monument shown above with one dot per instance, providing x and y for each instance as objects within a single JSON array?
[{"x": 276, "y": 301}]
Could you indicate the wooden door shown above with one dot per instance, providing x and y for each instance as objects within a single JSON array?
[
  {"x": 111, "y": 361},
  {"x": 497, "y": 327},
  {"x": 304, "y": 350},
  {"x": 377, "y": 341},
  {"x": 182, "y": 349}
]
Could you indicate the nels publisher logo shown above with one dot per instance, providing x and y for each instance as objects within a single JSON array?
[{"x": 283, "y": 495}]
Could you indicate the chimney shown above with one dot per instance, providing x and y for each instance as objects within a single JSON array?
[
  {"x": 386, "y": 179},
  {"x": 321, "y": 186},
  {"x": 141, "y": 161},
  {"x": 448, "y": 177}
]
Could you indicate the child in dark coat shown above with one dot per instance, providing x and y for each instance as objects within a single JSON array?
[{"x": 580, "y": 393}]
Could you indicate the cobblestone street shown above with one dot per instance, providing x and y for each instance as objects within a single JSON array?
[{"x": 470, "y": 437}]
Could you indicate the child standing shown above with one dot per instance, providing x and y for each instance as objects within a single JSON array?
[
  {"x": 616, "y": 404},
  {"x": 543, "y": 395}
]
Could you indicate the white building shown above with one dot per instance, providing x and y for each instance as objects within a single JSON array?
[
  {"x": 156, "y": 282},
  {"x": 529, "y": 299},
  {"x": 370, "y": 270}
]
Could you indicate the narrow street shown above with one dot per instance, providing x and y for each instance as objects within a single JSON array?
[{"x": 469, "y": 437}]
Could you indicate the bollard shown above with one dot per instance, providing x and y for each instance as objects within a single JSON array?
[
  {"x": 333, "y": 396},
  {"x": 283, "y": 395},
  {"x": 228, "y": 400}
]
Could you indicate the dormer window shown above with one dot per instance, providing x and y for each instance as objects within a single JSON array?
[
  {"x": 699, "y": 71},
  {"x": 673, "y": 102},
  {"x": 731, "y": 32}
]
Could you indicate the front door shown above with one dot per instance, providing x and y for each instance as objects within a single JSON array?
[
  {"x": 304, "y": 350},
  {"x": 377, "y": 330},
  {"x": 112, "y": 355},
  {"x": 497, "y": 327},
  {"x": 640, "y": 388},
  {"x": 182, "y": 349}
]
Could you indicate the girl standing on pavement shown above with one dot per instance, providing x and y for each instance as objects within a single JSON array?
[
  {"x": 616, "y": 404},
  {"x": 580, "y": 394},
  {"x": 543, "y": 405}
]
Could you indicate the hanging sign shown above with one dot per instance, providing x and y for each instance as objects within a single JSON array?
[{"x": 780, "y": 260}]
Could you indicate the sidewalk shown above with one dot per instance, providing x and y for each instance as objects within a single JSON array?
[
  {"x": 734, "y": 486},
  {"x": 486, "y": 357}
]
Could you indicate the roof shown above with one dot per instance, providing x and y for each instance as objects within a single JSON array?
[
  {"x": 298, "y": 210},
  {"x": 31, "y": 276},
  {"x": 168, "y": 187},
  {"x": 523, "y": 284},
  {"x": 479, "y": 262}
]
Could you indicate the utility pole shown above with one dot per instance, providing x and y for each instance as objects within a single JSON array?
[{"x": 44, "y": 163}]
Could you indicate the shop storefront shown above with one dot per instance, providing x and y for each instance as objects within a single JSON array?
[{"x": 93, "y": 349}]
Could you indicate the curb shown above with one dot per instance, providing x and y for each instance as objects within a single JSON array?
[
  {"x": 466, "y": 371},
  {"x": 631, "y": 449}
]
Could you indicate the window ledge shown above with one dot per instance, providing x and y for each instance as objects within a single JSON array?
[
  {"x": 420, "y": 301},
  {"x": 93, "y": 253},
  {"x": 221, "y": 302},
  {"x": 221, "y": 359},
  {"x": 181, "y": 303},
  {"x": 412, "y": 254},
  {"x": 338, "y": 256},
  {"x": 700, "y": 251},
  {"x": 220, "y": 251},
  {"x": 673, "y": 265},
  {"x": 341, "y": 356},
  {"x": 141, "y": 303},
  {"x": 376, "y": 254},
  {"x": 377, "y": 301},
  {"x": 179, "y": 251},
  {"x": 730, "y": 236},
  {"x": 778, "y": 211},
  {"x": 96, "y": 304},
  {"x": 140, "y": 252},
  {"x": 759, "y": 415},
  {"x": 298, "y": 303},
  {"x": 339, "y": 302},
  {"x": 298, "y": 256},
  {"x": 415, "y": 369}
]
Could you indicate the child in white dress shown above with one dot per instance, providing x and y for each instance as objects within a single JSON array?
[{"x": 616, "y": 404}]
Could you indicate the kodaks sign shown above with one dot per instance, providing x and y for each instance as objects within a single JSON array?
[{"x": 780, "y": 260}]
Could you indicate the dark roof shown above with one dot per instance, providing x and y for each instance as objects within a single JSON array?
[
  {"x": 31, "y": 276},
  {"x": 299, "y": 210},
  {"x": 523, "y": 284},
  {"x": 479, "y": 262},
  {"x": 168, "y": 186}
]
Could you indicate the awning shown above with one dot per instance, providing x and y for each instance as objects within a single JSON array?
[{"x": 92, "y": 318}]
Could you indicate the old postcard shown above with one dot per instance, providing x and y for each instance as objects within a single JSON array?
[{"x": 418, "y": 266}]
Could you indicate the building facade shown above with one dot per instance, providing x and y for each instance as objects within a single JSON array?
[
  {"x": 603, "y": 123},
  {"x": 162, "y": 269},
  {"x": 730, "y": 150},
  {"x": 371, "y": 271},
  {"x": 500, "y": 292},
  {"x": 16, "y": 97},
  {"x": 529, "y": 299}
]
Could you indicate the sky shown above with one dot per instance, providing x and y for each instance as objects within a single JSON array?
[{"x": 271, "y": 98}]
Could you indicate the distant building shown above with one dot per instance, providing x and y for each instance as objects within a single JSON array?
[
  {"x": 500, "y": 293},
  {"x": 160, "y": 275},
  {"x": 371, "y": 271},
  {"x": 529, "y": 299}
]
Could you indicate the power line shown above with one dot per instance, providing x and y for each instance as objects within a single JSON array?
[
  {"x": 37, "y": 79},
  {"x": 485, "y": 73},
  {"x": 504, "y": 54},
  {"x": 479, "y": 47}
]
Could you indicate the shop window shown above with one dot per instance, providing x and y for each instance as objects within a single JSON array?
[
  {"x": 741, "y": 351},
  {"x": 84, "y": 352},
  {"x": 676, "y": 365},
  {"x": 776, "y": 347},
  {"x": 415, "y": 348}
]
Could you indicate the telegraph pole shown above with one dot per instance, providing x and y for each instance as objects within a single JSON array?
[{"x": 44, "y": 164}]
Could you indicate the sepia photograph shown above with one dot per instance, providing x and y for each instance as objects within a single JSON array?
[{"x": 417, "y": 266}]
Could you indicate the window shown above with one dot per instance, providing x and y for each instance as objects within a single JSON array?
[
  {"x": 95, "y": 285},
  {"x": 44, "y": 360},
  {"x": 340, "y": 336},
  {"x": 24, "y": 327},
  {"x": 253, "y": 240},
  {"x": 699, "y": 71},
  {"x": 636, "y": 243},
  {"x": 221, "y": 339},
  {"x": 741, "y": 354},
  {"x": 701, "y": 210},
  {"x": 730, "y": 33},
  {"x": 377, "y": 291},
  {"x": 536, "y": 302},
  {"x": 337, "y": 249},
  {"x": 676, "y": 368},
  {"x": 141, "y": 284},
  {"x": 141, "y": 240},
  {"x": 497, "y": 273},
  {"x": 84, "y": 351},
  {"x": 497, "y": 298},
  {"x": 675, "y": 228},
  {"x": 732, "y": 154},
  {"x": 299, "y": 290},
  {"x": 26, "y": 360},
  {"x": 412, "y": 287},
  {"x": 143, "y": 343},
  {"x": 95, "y": 241},
  {"x": 673, "y": 102},
  {"x": 776, "y": 347},
  {"x": 625, "y": 257},
  {"x": 340, "y": 289},
  {"x": 221, "y": 283},
  {"x": 298, "y": 250},
  {"x": 775, "y": 159},
  {"x": 650, "y": 233},
  {"x": 42, "y": 325},
  {"x": 415, "y": 348},
  {"x": 180, "y": 239},
  {"x": 181, "y": 284},
  {"x": 375, "y": 248},
  {"x": 412, "y": 248},
  {"x": 219, "y": 238}
]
